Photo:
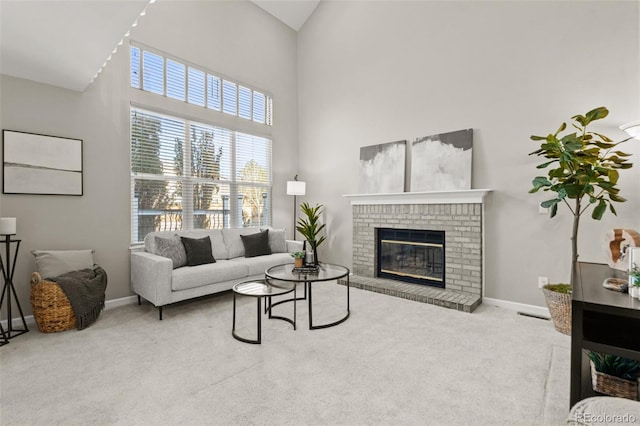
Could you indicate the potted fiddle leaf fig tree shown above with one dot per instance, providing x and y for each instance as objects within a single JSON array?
[
  {"x": 310, "y": 227},
  {"x": 582, "y": 173}
]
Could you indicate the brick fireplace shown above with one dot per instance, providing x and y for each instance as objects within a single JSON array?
[{"x": 458, "y": 214}]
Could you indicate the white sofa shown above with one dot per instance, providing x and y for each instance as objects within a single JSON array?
[{"x": 154, "y": 279}]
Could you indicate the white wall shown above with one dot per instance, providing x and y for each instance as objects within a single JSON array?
[
  {"x": 375, "y": 72},
  {"x": 234, "y": 38}
]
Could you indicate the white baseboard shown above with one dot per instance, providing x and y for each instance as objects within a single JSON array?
[
  {"x": 114, "y": 303},
  {"x": 109, "y": 304},
  {"x": 519, "y": 307}
]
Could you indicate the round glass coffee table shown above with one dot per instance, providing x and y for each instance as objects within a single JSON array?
[
  {"x": 326, "y": 272},
  {"x": 260, "y": 289}
]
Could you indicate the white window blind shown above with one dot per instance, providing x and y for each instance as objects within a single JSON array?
[
  {"x": 152, "y": 73},
  {"x": 165, "y": 75},
  {"x": 196, "y": 86},
  {"x": 175, "y": 80},
  {"x": 188, "y": 175}
]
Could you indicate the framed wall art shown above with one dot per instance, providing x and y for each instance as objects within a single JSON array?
[
  {"x": 382, "y": 168},
  {"x": 41, "y": 164},
  {"x": 442, "y": 162}
]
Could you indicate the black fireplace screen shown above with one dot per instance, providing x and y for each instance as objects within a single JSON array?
[{"x": 409, "y": 255}]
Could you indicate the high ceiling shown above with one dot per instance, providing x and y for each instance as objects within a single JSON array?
[
  {"x": 65, "y": 42},
  {"x": 62, "y": 43}
]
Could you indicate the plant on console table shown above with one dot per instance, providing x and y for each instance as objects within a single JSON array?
[
  {"x": 310, "y": 227},
  {"x": 583, "y": 173}
]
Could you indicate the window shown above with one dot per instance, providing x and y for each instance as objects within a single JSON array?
[
  {"x": 152, "y": 73},
  {"x": 197, "y": 86},
  {"x": 175, "y": 80},
  {"x": 188, "y": 175}
]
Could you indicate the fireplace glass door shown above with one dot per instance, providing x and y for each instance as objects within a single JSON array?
[{"x": 415, "y": 256}]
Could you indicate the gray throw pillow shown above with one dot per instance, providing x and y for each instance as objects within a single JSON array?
[
  {"x": 173, "y": 249},
  {"x": 198, "y": 250},
  {"x": 256, "y": 244},
  {"x": 277, "y": 240}
]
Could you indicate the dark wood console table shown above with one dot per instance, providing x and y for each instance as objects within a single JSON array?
[{"x": 602, "y": 320}]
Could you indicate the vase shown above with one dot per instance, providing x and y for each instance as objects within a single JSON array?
[
  {"x": 634, "y": 291},
  {"x": 299, "y": 262}
]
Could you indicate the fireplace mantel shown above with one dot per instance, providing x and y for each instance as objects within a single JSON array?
[{"x": 471, "y": 196}]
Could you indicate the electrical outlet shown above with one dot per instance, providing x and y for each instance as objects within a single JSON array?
[
  {"x": 543, "y": 210},
  {"x": 542, "y": 281}
]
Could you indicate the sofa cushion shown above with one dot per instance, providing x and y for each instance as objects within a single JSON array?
[
  {"x": 256, "y": 244},
  {"x": 259, "y": 264},
  {"x": 171, "y": 248},
  {"x": 277, "y": 240},
  {"x": 198, "y": 276},
  {"x": 218, "y": 247},
  {"x": 198, "y": 250},
  {"x": 52, "y": 263},
  {"x": 232, "y": 240}
]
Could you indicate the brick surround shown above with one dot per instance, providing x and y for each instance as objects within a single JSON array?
[{"x": 462, "y": 223}]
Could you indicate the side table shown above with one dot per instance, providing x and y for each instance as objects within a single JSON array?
[{"x": 260, "y": 289}]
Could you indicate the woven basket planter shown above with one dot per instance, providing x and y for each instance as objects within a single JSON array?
[
  {"x": 51, "y": 308},
  {"x": 559, "y": 305},
  {"x": 612, "y": 385}
]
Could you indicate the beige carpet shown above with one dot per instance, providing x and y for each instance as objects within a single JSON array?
[{"x": 394, "y": 362}]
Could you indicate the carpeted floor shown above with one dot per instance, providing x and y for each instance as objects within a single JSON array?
[{"x": 393, "y": 362}]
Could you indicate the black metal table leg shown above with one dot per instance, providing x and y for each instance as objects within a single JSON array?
[
  {"x": 253, "y": 289},
  {"x": 331, "y": 324},
  {"x": 9, "y": 289}
]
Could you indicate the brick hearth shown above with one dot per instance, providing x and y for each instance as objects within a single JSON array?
[{"x": 459, "y": 216}]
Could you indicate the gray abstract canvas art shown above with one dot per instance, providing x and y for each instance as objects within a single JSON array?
[
  {"x": 382, "y": 168},
  {"x": 41, "y": 164},
  {"x": 442, "y": 162}
]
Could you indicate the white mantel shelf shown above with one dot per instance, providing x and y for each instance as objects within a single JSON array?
[{"x": 471, "y": 196}]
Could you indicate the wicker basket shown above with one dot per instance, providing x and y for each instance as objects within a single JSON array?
[
  {"x": 559, "y": 305},
  {"x": 612, "y": 385},
  {"x": 51, "y": 308}
]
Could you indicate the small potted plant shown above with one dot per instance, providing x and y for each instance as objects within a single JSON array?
[
  {"x": 298, "y": 257},
  {"x": 614, "y": 375},
  {"x": 558, "y": 299}
]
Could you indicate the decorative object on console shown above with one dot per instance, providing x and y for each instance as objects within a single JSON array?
[
  {"x": 40, "y": 164},
  {"x": 310, "y": 227},
  {"x": 442, "y": 162},
  {"x": 8, "y": 267},
  {"x": 634, "y": 273},
  {"x": 617, "y": 244},
  {"x": 382, "y": 168},
  {"x": 573, "y": 176},
  {"x": 295, "y": 187}
]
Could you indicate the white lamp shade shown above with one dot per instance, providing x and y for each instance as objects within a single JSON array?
[
  {"x": 296, "y": 187},
  {"x": 633, "y": 129},
  {"x": 7, "y": 225}
]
